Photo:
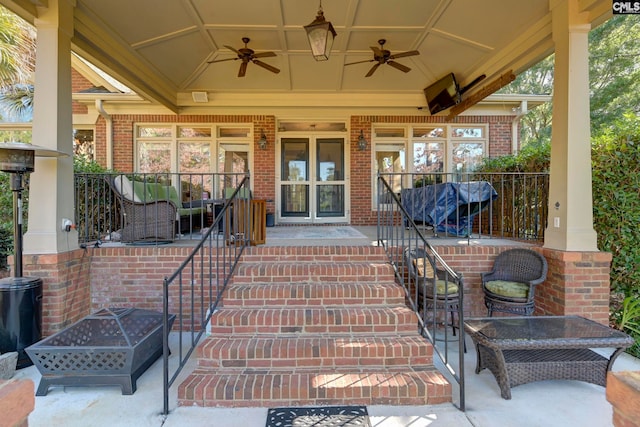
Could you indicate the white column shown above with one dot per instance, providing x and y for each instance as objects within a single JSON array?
[
  {"x": 51, "y": 185},
  {"x": 570, "y": 225}
]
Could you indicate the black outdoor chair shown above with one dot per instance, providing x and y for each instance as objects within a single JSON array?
[
  {"x": 510, "y": 286},
  {"x": 434, "y": 292}
]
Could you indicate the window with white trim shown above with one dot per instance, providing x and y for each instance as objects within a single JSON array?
[
  {"x": 197, "y": 149},
  {"x": 426, "y": 149}
]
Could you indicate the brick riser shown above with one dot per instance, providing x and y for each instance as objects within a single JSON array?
[{"x": 314, "y": 326}]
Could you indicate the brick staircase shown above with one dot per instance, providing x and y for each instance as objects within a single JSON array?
[{"x": 314, "y": 326}]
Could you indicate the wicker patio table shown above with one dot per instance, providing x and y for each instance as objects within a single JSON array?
[{"x": 519, "y": 350}]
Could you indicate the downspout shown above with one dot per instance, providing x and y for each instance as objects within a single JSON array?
[
  {"x": 515, "y": 135},
  {"x": 108, "y": 131}
]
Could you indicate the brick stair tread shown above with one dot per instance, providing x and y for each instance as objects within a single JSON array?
[
  {"x": 345, "y": 271},
  {"x": 315, "y": 351},
  {"x": 283, "y": 320},
  {"x": 338, "y": 387},
  {"x": 314, "y": 254},
  {"x": 304, "y": 294}
]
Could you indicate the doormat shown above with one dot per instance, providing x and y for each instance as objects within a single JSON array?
[{"x": 329, "y": 416}]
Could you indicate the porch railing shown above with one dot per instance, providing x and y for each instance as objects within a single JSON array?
[
  {"x": 517, "y": 210},
  {"x": 99, "y": 214},
  {"x": 436, "y": 316},
  {"x": 194, "y": 291}
]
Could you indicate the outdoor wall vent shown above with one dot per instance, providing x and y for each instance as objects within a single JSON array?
[{"x": 200, "y": 96}]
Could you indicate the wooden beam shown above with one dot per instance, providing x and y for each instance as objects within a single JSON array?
[{"x": 487, "y": 90}]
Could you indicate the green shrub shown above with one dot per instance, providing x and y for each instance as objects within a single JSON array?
[{"x": 616, "y": 210}]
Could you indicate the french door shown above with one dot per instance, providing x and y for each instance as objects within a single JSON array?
[{"x": 312, "y": 180}]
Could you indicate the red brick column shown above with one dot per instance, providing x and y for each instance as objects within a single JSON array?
[
  {"x": 66, "y": 287},
  {"x": 623, "y": 392},
  {"x": 577, "y": 283},
  {"x": 17, "y": 401}
]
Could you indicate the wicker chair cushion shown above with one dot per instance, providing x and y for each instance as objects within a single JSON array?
[
  {"x": 125, "y": 188},
  {"x": 442, "y": 288},
  {"x": 423, "y": 267},
  {"x": 508, "y": 289}
]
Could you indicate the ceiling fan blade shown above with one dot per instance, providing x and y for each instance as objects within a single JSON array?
[
  {"x": 405, "y": 54},
  {"x": 232, "y": 48},
  {"x": 377, "y": 51},
  {"x": 243, "y": 69},
  {"x": 222, "y": 60},
  {"x": 264, "y": 54},
  {"x": 373, "y": 70},
  {"x": 399, "y": 66},
  {"x": 360, "y": 62},
  {"x": 266, "y": 66}
]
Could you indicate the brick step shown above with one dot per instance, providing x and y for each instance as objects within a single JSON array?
[
  {"x": 316, "y": 272},
  {"x": 372, "y": 351},
  {"x": 311, "y": 254},
  {"x": 310, "y": 388},
  {"x": 314, "y": 320},
  {"x": 305, "y": 294}
]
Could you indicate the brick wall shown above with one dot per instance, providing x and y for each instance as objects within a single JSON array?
[
  {"x": 66, "y": 287},
  {"x": 577, "y": 283},
  {"x": 623, "y": 392},
  {"x": 78, "y": 84},
  {"x": 83, "y": 281}
]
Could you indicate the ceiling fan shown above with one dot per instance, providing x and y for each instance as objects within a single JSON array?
[
  {"x": 383, "y": 56},
  {"x": 248, "y": 55}
]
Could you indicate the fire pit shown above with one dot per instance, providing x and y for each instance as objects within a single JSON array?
[{"x": 110, "y": 347}]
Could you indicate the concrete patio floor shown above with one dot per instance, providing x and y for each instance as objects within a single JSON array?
[{"x": 546, "y": 403}]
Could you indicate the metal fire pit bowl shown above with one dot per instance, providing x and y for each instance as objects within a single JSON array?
[{"x": 110, "y": 347}]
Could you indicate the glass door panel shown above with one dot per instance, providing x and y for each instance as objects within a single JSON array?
[
  {"x": 233, "y": 162},
  {"x": 295, "y": 177},
  {"x": 330, "y": 177}
]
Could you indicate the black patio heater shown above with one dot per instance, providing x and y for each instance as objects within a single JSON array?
[{"x": 20, "y": 297}]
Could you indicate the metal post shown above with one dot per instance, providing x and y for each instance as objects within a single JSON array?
[{"x": 16, "y": 187}]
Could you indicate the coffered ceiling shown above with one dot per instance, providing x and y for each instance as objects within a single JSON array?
[{"x": 162, "y": 48}]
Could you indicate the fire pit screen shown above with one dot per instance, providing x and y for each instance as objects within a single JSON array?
[{"x": 110, "y": 347}]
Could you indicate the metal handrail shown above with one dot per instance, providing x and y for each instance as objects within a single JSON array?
[
  {"x": 195, "y": 289},
  {"x": 398, "y": 234}
]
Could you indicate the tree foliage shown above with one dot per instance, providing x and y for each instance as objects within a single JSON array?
[
  {"x": 17, "y": 65},
  {"x": 614, "y": 70}
]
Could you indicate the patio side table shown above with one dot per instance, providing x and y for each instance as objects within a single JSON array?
[{"x": 519, "y": 350}]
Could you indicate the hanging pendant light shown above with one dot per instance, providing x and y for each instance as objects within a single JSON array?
[{"x": 320, "y": 34}]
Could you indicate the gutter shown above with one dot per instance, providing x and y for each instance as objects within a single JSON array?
[
  {"x": 515, "y": 135},
  {"x": 109, "y": 132}
]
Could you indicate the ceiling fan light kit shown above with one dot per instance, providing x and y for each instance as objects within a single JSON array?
[{"x": 320, "y": 34}]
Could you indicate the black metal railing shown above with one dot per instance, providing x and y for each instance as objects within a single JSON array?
[
  {"x": 194, "y": 291},
  {"x": 436, "y": 297},
  {"x": 473, "y": 205},
  {"x": 105, "y": 211}
]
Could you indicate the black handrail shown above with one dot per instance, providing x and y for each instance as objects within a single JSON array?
[
  {"x": 398, "y": 235},
  {"x": 195, "y": 280}
]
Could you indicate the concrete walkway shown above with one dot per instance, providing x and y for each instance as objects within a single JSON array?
[{"x": 545, "y": 403}]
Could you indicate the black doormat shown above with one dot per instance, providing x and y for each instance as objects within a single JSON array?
[{"x": 329, "y": 416}]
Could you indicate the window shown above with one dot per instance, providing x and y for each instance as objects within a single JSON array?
[
  {"x": 197, "y": 150},
  {"x": 429, "y": 149},
  {"x": 83, "y": 144}
]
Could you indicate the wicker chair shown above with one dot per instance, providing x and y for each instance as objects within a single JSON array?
[
  {"x": 421, "y": 267},
  {"x": 143, "y": 219},
  {"x": 510, "y": 286}
]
